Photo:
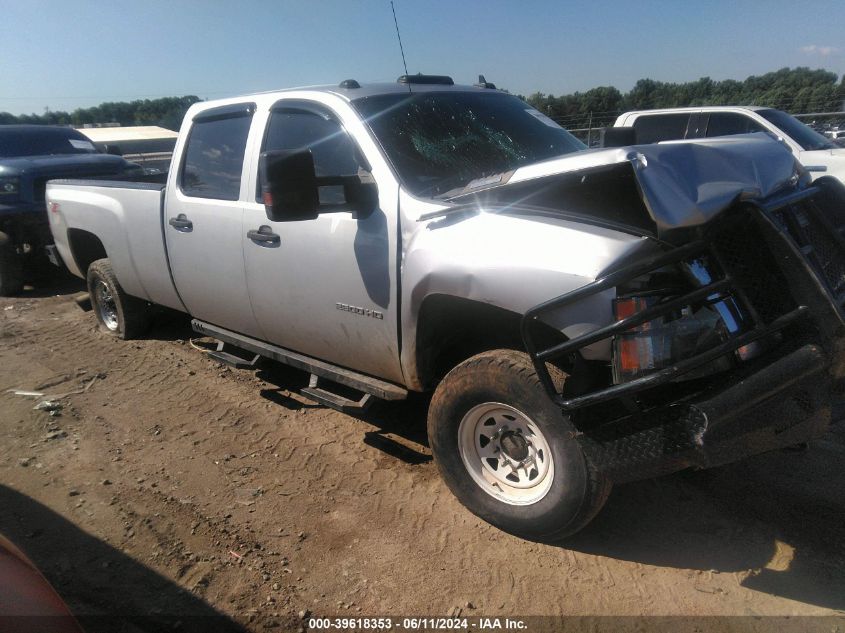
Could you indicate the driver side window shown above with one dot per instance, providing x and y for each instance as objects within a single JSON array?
[{"x": 292, "y": 127}]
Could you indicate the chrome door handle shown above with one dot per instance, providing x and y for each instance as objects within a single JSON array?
[
  {"x": 264, "y": 234},
  {"x": 181, "y": 223}
]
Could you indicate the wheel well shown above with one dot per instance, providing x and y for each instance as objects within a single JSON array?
[
  {"x": 452, "y": 329},
  {"x": 85, "y": 247}
]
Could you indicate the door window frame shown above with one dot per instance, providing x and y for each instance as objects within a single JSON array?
[
  {"x": 308, "y": 107},
  {"x": 235, "y": 110}
]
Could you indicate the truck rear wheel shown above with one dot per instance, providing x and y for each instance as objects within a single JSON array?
[
  {"x": 117, "y": 313},
  {"x": 11, "y": 268},
  {"x": 508, "y": 453}
]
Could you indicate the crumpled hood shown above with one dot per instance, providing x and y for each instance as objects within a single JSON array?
[{"x": 687, "y": 183}]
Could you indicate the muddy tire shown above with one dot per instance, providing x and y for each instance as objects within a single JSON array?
[
  {"x": 508, "y": 453},
  {"x": 11, "y": 268},
  {"x": 117, "y": 313}
]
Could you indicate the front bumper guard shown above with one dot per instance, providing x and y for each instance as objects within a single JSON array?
[
  {"x": 785, "y": 403},
  {"x": 782, "y": 403}
]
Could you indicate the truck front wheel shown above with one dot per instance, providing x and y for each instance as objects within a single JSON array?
[
  {"x": 507, "y": 452},
  {"x": 11, "y": 268},
  {"x": 117, "y": 313}
]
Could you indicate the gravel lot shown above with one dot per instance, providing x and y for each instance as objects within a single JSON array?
[{"x": 174, "y": 486}]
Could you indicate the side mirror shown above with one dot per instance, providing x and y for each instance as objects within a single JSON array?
[
  {"x": 619, "y": 137},
  {"x": 114, "y": 150},
  {"x": 289, "y": 188}
]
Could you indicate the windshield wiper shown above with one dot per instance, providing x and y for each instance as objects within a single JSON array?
[
  {"x": 450, "y": 211},
  {"x": 477, "y": 183}
]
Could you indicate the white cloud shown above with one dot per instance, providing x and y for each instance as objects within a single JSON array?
[{"x": 822, "y": 51}]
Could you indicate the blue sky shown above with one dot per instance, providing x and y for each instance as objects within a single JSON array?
[{"x": 66, "y": 54}]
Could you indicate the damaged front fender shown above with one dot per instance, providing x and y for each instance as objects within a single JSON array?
[{"x": 513, "y": 263}]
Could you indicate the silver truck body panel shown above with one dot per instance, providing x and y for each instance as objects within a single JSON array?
[
  {"x": 510, "y": 262},
  {"x": 207, "y": 261},
  {"x": 128, "y": 223}
]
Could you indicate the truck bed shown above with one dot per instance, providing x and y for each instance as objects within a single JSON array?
[{"x": 126, "y": 218}]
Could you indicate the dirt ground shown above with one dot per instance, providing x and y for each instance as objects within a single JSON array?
[{"x": 174, "y": 486}]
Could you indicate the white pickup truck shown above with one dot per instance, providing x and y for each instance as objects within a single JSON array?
[
  {"x": 819, "y": 155},
  {"x": 582, "y": 317}
]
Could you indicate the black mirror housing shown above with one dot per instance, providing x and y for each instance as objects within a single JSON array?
[
  {"x": 362, "y": 194},
  {"x": 289, "y": 188}
]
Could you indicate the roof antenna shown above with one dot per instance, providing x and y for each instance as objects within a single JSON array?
[{"x": 399, "y": 37}]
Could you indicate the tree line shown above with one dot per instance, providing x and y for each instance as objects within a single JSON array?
[
  {"x": 794, "y": 90},
  {"x": 166, "y": 112}
]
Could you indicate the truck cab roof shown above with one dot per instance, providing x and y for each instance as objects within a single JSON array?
[{"x": 346, "y": 90}]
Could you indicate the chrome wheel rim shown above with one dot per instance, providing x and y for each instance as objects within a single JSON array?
[
  {"x": 106, "y": 306},
  {"x": 505, "y": 453}
]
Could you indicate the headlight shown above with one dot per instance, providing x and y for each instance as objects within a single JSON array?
[
  {"x": 9, "y": 187},
  {"x": 677, "y": 334},
  {"x": 666, "y": 340}
]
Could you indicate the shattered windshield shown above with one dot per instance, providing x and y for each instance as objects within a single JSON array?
[{"x": 441, "y": 142}]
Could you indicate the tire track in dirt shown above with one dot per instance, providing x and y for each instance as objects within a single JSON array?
[{"x": 189, "y": 443}]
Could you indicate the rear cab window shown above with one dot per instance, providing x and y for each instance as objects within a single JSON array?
[{"x": 214, "y": 153}]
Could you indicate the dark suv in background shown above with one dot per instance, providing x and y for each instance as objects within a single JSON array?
[{"x": 30, "y": 155}]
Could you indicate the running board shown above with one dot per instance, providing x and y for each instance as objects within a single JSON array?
[
  {"x": 231, "y": 358},
  {"x": 83, "y": 300},
  {"x": 334, "y": 400},
  {"x": 361, "y": 382}
]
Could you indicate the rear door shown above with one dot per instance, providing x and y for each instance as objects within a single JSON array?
[{"x": 203, "y": 219}]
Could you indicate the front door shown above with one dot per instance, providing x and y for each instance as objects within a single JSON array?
[{"x": 326, "y": 287}]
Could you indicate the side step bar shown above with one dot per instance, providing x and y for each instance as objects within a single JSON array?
[
  {"x": 334, "y": 400},
  {"x": 366, "y": 384},
  {"x": 232, "y": 358}
]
